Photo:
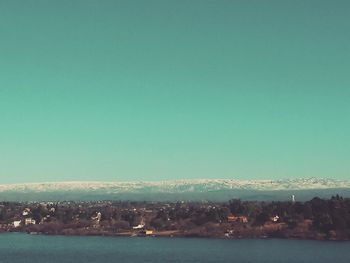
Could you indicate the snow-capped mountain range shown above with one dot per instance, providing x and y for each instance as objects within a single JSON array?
[
  {"x": 180, "y": 185},
  {"x": 177, "y": 189}
]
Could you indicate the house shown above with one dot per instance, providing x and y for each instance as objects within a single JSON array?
[
  {"x": 97, "y": 218},
  {"x": 17, "y": 223},
  {"x": 146, "y": 232},
  {"x": 26, "y": 212},
  {"x": 139, "y": 226},
  {"x": 232, "y": 218},
  {"x": 29, "y": 221},
  {"x": 149, "y": 232},
  {"x": 243, "y": 219},
  {"x": 275, "y": 218}
]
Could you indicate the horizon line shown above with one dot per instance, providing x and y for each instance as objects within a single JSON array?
[{"x": 174, "y": 180}]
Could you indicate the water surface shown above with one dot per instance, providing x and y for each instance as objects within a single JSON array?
[{"x": 18, "y": 248}]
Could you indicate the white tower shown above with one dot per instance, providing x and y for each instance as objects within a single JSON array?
[{"x": 293, "y": 198}]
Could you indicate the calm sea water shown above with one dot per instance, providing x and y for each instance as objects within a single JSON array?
[{"x": 17, "y": 248}]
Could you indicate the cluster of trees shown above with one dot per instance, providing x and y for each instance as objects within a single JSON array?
[{"x": 325, "y": 216}]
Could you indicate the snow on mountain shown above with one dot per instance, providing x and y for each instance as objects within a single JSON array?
[{"x": 179, "y": 186}]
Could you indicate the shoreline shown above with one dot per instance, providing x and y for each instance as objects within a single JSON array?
[{"x": 174, "y": 234}]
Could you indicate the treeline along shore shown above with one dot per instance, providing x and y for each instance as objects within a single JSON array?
[{"x": 319, "y": 219}]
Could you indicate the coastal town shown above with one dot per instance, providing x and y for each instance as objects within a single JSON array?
[{"x": 315, "y": 219}]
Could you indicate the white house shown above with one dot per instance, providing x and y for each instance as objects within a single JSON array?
[
  {"x": 29, "y": 221},
  {"x": 140, "y": 226},
  {"x": 275, "y": 218},
  {"x": 26, "y": 212},
  {"x": 97, "y": 218},
  {"x": 17, "y": 223}
]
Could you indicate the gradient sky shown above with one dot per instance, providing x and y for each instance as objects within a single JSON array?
[{"x": 158, "y": 90}]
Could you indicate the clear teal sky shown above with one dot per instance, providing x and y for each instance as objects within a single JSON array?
[{"x": 157, "y": 90}]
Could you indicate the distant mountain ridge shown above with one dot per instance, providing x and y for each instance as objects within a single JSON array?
[{"x": 197, "y": 189}]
